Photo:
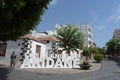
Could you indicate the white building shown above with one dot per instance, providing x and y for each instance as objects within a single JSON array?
[
  {"x": 25, "y": 47},
  {"x": 116, "y": 33},
  {"x": 86, "y": 30}
]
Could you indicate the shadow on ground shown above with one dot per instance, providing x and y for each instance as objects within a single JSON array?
[
  {"x": 118, "y": 63},
  {"x": 4, "y": 71}
]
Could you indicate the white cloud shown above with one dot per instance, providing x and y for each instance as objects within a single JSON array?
[
  {"x": 94, "y": 20},
  {"x": 115, "y": 17},
  {"x": 53, "y": 2},
  {"x": 102, "y": 27},
  {"x": 95, "y": 17}
]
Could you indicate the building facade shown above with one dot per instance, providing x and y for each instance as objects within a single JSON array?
[
  {"x": 26, "y": 47},
  {"x": 116, "y": 33},
  {"x": 86, "y": 30}
]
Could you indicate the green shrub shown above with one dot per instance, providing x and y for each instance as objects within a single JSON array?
[{"x": 98, "y": 58}]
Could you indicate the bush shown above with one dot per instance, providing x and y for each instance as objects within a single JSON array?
[{"x": 98, "y": 58}]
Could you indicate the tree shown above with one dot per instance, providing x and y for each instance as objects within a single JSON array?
[
  {"x": 89, "y": 52},
  {"x": 19, "y": 17},
  {"x": 100, "y": 51},
  {"x": 70, "y": 38},
  {"x": 93, "y": 50},
  {"x": 113, "y": 47},
  {"x": 86, "y": 53}
]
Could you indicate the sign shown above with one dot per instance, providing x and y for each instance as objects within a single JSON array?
[{"x": 53, "y": 61}]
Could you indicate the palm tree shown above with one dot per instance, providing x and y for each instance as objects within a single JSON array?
[{"x": 70, "y": 38}]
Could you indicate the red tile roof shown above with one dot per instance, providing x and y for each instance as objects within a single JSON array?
[
  {"x": 42, "y": 39},
  {"x": 48, "y": 38}
]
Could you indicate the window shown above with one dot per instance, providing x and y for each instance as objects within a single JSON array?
[
  {"x": 3, "y": 49},
  {"x": 38, "y": 50}
]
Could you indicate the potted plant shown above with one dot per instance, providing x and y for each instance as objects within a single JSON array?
[{"x": 85, "y": 65}]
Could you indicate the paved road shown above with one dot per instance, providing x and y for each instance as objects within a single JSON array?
[{"x": 109, "y": 71}]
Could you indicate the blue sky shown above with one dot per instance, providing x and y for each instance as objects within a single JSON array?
[{"x": 102, "y": 15}]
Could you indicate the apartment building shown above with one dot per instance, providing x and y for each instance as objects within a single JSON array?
[
  {"x": 116, "y": 33},
  {"x": 86, "y": 30}
]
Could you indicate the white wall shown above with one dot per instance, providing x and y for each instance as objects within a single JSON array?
[
  {"x": 43, "y": 48},
  {"x": 48, "y": 47},
  {"x": 11, "y": 46}
]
